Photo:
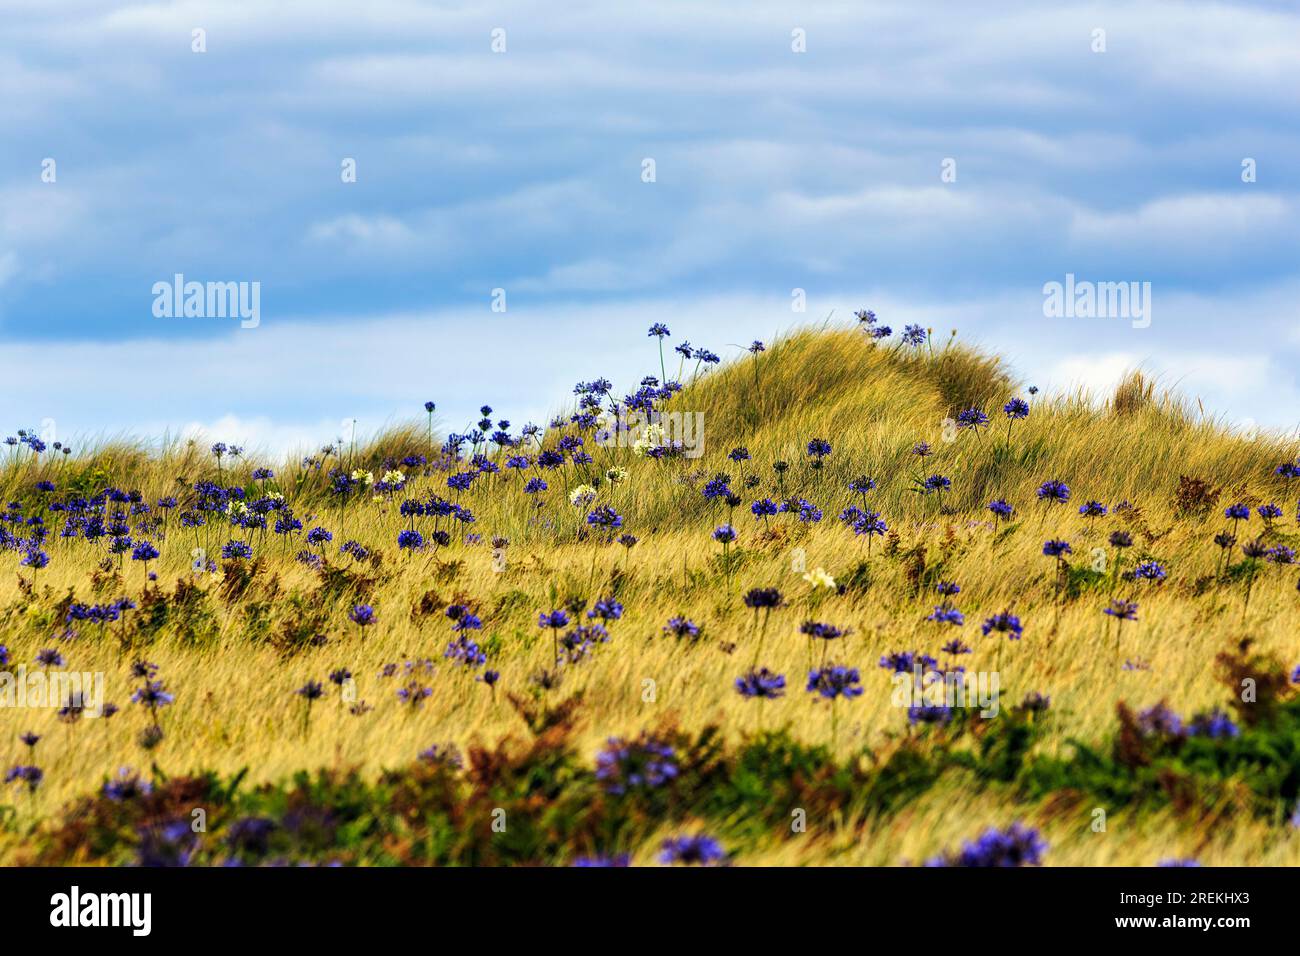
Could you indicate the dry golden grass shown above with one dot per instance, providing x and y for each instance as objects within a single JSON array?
[{"x": 235, "y": 703}]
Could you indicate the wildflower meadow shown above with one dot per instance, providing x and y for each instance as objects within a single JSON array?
[{"x": 852, "y": 595}]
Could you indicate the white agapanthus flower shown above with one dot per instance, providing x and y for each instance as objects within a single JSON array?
[
  {"x": 582, "y": 495},
  {"x": 818, "y": 578}
]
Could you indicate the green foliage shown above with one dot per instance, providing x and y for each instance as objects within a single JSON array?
[{"x": 541, "y": 804}]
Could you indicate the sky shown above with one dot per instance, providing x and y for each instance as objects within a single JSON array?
[{"x": 504, "y": 146}]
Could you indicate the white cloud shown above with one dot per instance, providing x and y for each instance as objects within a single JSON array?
[
  {"x": 260, "y": 437},
  {"x": 1197, "y": 219},
  {"x": 291, "y": 384},
  {"x": 367, "y": 230}
]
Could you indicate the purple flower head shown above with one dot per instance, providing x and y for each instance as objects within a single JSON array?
[
  {"x": 1015, "y": 846},
  {"x": 236, "y": 550},
  {"x": 555, "y": 620},
  {"x": 1004, "y": 623},
  {"x": 763, "y": 599},
  {"x": 682, "y": 627},
  {"x": 27, "y": 774},
  {"x": 947, "y": 615},
  {"x": 49, "y": 657},
  {"x": 1056, "y": 549},
  {"x": 698, "y": 850},
  {"x": 972, "y": 418},
  {"x": 1149, "y": 571},
  {"x": 1159, "y": 721},
  {"x": 835, "y": 681},
  {"x": 824, "y": 632},
  {"x": 639, "y": 765},
  {"x": 904, "y": 662},
  {"x": 761, "y": 683},
  {"x": 819, "y": 448},
  {"x": 603, "y": 860},
  {"x": 1215, "y": 724},
  {"x": 607, "y": 609},
  {"x": 1122, "y": 610},
  {"x": 1054, "y": 492}
]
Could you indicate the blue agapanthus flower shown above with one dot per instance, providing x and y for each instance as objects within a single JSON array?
[
  {"x": 972, "y": 418},
  {"x": 1159, "y": 721},
  {"x": 1016, "y": 409},
  {"x": 761, "y": 683},
  {"x": 607, "y": 609},
  {"x": 627, "y": 766},
  {"x": 1016, "y": 845},
  {"x": 1054, "y": 492},
  {"x": 605, "y": 517},
  {"x": 144, "y": 551},
  {"x": 466, "y": 652},
  {"x": 943, "y": 614},
  {"x": 603, "y": 860},
  {"x": 1122, "y": 610},
  {"x": 698, "y": 850},
  {"x": 808, "y": 512},
  {"x": 1215, "y": 724},
  {"x": 763, "y": 598},
  {"x": 1000, "y": 508},
  {"x": 554, "y": 619},
  {"x": 1003, "y": 623},
  {"x": 1150, "y": 571},
  {"x": 835, "y": 681},
  {"x": 929, "y": 714},
  {"x": 870, "y": 523},
  {"x": 938, "y": 483},
  {"x": 682, "y": 627},
  {"x": 818, "y": 630},
  {"x": 236, "y": 550},
  {"x": 49, "y": 657},
  {"x": 914, "y": 335},
  {"x": 904, "y": 662},
  {"x": 819, "y": 448}
]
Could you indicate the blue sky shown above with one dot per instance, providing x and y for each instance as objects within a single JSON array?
[{"x": 521, "y": 170}]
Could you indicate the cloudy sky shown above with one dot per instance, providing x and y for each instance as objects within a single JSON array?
[{"x": 522, "y": 170}]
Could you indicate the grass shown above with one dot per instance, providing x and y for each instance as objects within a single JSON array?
[{"x": 234, "y": 645}]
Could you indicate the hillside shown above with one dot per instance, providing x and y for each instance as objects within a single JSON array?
[{"x": 517, "y": 630}]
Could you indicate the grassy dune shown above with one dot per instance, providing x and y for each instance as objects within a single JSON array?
[{"x": 234, "y": 645}]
